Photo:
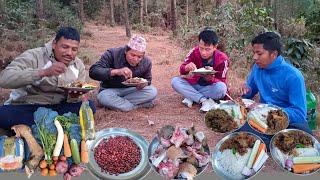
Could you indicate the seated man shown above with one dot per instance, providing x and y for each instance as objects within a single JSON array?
[
  {"x": 119, "y": 64},
  {"x": 276, "y": 81},
  {"x": 203, "y": 88},
  {"x": 35, "y": 76}
]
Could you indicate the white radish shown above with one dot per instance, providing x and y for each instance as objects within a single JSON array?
[
  {"x": 253, "y": 153},
  {"x": 59, "y": 142}
]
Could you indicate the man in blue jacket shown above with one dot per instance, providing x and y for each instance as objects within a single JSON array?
[{"x": 276, "y": 81}]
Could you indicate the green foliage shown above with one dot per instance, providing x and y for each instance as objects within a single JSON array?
[
  {"x": 298, "y": 51},
  {"x": 20, "y": 17}
]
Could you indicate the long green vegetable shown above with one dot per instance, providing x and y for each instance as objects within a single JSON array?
[{"x": 47, "y": 139}]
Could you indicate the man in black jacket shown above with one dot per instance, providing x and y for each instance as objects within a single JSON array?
[{"x": 119, "y": 64}]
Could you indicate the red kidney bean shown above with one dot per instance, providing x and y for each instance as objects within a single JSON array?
[{"x": 117, "y": 155}]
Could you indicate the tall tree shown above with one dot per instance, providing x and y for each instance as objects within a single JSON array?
[
  {"x": 187, "y": 11},
  {"x": 81, "y": 10},
  {"x": 126, "y": 18},
  {"x": 112, "y": 21},
  {"x": 39, "y": 9},
  {"x": 174, "y": 17},
  {"x": 146, "y": 7},
  {"x": 141, "y": 11}
]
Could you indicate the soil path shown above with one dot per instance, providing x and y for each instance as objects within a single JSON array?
[{"x": 166, "y": 56}]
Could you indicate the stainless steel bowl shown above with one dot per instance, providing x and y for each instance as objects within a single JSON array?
[
  {"x": 275, "y": 156},
  {"x": 218, "y": 169},
  {"x": 153, "y": 146},
  {"x": 263, "y": 108},
  {"x": 137, "y": 173}
]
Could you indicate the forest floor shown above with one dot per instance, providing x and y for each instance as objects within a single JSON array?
[{"x": 166, "y": 56}]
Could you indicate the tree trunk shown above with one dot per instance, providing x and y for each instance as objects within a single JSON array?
[
  {"x": 112, "y": 22},
  {"x": 126, "y": 18},
  {"x": 39, "y": 9},
  {"x": 174, "y": 17},
  {"x": 187, "y": 11},
  {"x": 146, "y": 7},
  {"x": 81, "y": 10},
  {"x": 141, "y": 11}
]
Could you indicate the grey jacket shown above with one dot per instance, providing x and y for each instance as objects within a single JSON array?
[
  {"x": 114, "y": 59},
  {"x": 22, "y": 76}
]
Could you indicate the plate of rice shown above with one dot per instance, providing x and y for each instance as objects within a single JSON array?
[
  {"x": 268, "y": 119},
  {"x": 296, "y": 151},
  {"x": 239, "y": 155},
  {"x": 228, "y": 117}
]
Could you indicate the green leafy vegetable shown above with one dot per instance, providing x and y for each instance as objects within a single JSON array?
[{"x": 299, "y": 145}]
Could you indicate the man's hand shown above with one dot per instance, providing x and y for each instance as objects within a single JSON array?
[
  {"x": 208, "y": 77},
  {"x": 243, "y": 89},
  {"x": 56, "y": 69},
  {"x": 190, "y": 67},
  {"x": 142, "y": 85},
  {"x": 126, "y": 72}
]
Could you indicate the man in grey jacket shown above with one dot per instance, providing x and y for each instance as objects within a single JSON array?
[
  {"x": 35, "y": 77},
  {"x": 119, "y": 64}
]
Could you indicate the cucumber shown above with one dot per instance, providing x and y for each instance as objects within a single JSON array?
[{"x": 75, "y": 151}]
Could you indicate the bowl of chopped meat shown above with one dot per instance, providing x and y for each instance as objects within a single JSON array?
[
  {"x": 118, "y": 154},
  {"x": 179, "y": 153}
]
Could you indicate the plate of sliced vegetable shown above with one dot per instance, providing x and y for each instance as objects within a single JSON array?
[
  {"x": 296, "y": 151},
  {"x": 118, "y": 154},
  {"x": 268, "y": 119},
  {"x": 239, "y": 155}
]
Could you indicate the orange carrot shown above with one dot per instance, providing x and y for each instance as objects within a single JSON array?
[
  {"x": 262, "y": 147},
  {"x": 304, "y": 168},
  {"x": 84, "y": 152},
  {"x": 66, "y": 146},
  {"x": 256, "y": 126}
]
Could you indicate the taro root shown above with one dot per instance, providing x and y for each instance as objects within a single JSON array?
[
  {"x": 220, "y": 121},
  {"x": 24, "y": 131}
]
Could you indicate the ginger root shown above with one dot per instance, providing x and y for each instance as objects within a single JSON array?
[{"x": 24, "y": 131}]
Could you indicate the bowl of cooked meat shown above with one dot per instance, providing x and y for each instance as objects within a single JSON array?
[
  {"x": 228, "y": 117},
  {"x": 296, "y": 151},
  {"x": 268, "y": 119}
]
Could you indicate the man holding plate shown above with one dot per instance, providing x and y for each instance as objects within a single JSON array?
[
  {"x": 125, "y": 75},
  {"x": 203, "y": 73},
  {"x": 36, "y": 76}
]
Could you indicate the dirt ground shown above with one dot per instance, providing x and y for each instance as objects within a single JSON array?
[{"x": 166, "y": 56}]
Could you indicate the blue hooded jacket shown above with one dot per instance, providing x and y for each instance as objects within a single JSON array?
[{"x": 282, "y": 85}]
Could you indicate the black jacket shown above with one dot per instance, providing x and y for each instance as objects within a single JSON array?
[{"x": 115, "y": 59}]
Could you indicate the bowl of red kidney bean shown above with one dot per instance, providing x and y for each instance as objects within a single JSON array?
[{"x": 118, "y": 154}]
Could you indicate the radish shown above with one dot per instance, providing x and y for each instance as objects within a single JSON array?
[{"x": 59, "y": 142}]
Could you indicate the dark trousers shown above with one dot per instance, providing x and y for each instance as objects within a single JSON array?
[
  {"x": 23, "y": 114},
  {"x": 267, "y": 138}
]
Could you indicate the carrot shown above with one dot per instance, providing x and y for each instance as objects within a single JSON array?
[
  {"x": 256, "y": 126},
  {"x": 66, "y": 146},
  {"x": 84, "y": 152},
  {"x": 262, "y": 147},
  {"x": 304, "y": 168}
]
